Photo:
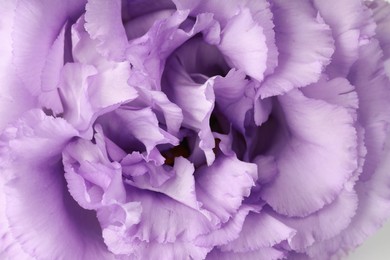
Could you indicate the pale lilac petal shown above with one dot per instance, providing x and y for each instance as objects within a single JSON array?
[
  {"x": 109, "y": 87},
  {"x": 261, "y": 254},
  {"x": 177, "y": 250},
  {"x": 305, "y": 46},
  {"x": 301, "y": 160},
  {"x": 171, "y": 221},
  {"x": 351, "y": 25},
  {"x": 233, "y": 97},
  {"x": 227, "y": 232},
  {"x": 9, "y": 246},
  {"x": 196, "y": 102},
  {"x": 372, "y": 87},
  {"x": 143, "y": 125},
  {"x": 381, "y": 15},
  {"x": 32, "y": 41},
  {"x": 38, "y": 190},
  {"x": 222, "y": 186},
  {"x": 84, "y": 49},
  {"x": 324, "y": 224},
  {"x": 92, "y": 179},
  {"x": 51, "y": 73},
  {"x": 147, "y": 176},
  {"x": 262, "y": 14},
  {"x": 104, "y": 24},
  {"x": 73, "y": 89},
  {"x": 267, "y": 168},
  {"x": 149, "y": 52},
  {"x": 166, "y": 111},
  {"x": 243, "y": 44},
  {"x": 373, "y": 210},
  {"x": 12, "y": 91},
  {"x": 337, "y": 91},
  {"x": 260, "y": 230}
]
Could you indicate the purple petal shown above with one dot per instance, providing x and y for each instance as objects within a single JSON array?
[
  {"x": 228, "y": 232},
  {"x": 260, "y": 230},
  {"x": 32, "y": 41},
  {"x": 53, "y": 216},
  {"x": 337, "y": 91},
  {"x": 196, "y": 102},
  {"x": 109, "y": 87},
  {"x": 351, "y": 25},
  {"x": 324, "y": 224},
  {"x": 261, "y": 254},
  {"x": 104, "y": 24},
  {"x": 12, "y": 91},
  {"x": 166, "y": 111},
  {"x": 262, "y": 14},
  {"x": 49, "y": 97},
  {"x": 381, "y": 15},
  {"x": 222, "y": 186},
  {"x": 73, "y": 89},
  {"x": 244, "y": 46},
  {"x": 305, "y": 46},
  {"x": 171, "y": 222},
  {"x": 91, "y": 177},
  {"x": 143, "y": 125},
  {"x": 310, "y": 144},
  {"x": 232, "y": 94},
  {"x": 177, "y": 250},
  {"x": 372, "y": 87}
]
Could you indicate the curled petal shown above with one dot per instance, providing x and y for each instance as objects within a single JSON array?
[
  {"x": 12, "y": 91},
  {"x": 37, "y": 189},
  {"x": 352, "y": 25},
  {"x": 104, "y": 24},
  {"x": 32, "y": 41},
  {"x": 260, "y": 230},
  {"x": 222, "y": 186},
  {"x": 334, "y": 143},
  {"x": 244, "y": 46},
  {"x": 268, "y": 253},
  {"x": 300, "y": 60}
]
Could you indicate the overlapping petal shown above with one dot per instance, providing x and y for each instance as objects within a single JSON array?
[
  {"x": 301, "y": 60},
  {"x": 37, "y": 140},
  {"x": 308, "y": 137}
]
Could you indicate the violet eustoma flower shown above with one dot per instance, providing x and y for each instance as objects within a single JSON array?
[{"x": 178, "y": 129}]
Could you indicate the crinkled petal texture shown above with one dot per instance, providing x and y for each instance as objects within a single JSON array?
[
  {"x": 192, "y": 129},
  {"x": 31, "y": 161}
]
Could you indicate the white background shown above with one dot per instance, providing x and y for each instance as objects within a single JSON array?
[{"x": 376, "y": 247}]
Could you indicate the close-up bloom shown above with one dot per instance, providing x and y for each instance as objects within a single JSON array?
[{"x": 193, "y": 129}]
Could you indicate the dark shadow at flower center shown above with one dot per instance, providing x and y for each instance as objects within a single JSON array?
[{"x": 139, "y": 15}]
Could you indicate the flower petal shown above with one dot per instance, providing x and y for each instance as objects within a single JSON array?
[
  {"x": 14, "y": 98},
  {"x": 232, "y": 94},
  {"x": 310, "y": 144},
  {"x": 171, "y": 221},
  {"x": 37, "y": 190},
  {"x": 222, "y": 186},
  {"x": 196, "y": 102},
  {"x": 32, "y": 41},
  {"x": 73, "y": 89},
  {"x": 324, "y": 224},
  {"x": 300, "y": 60},
  {"x": 228, "y": 232},
  {"x": 351, "y": 25},
  {"x": 381, "y": 15},
  {"x": 104, "y": 24},
  {"x": 244, "y": 46},
  {"x": 260, "y": 230},
  {"x": 372, "y": 87},
  {"x": 261, "y": 254}
]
